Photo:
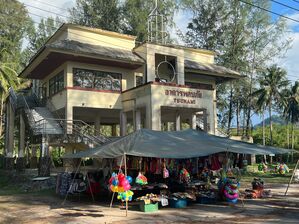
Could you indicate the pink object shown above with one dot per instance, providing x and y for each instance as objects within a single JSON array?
[{"x": 230, "y": 196}]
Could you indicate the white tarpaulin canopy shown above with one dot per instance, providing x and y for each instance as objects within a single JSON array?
[{"x": 173, "y": 144}]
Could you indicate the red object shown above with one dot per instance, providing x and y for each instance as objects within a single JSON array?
[{"x": 93, "y": 188}]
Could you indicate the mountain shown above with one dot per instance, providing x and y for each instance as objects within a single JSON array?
[{"x": 275, "y": 119}]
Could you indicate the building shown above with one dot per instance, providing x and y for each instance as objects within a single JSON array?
[{"x": 84, "y": 78}]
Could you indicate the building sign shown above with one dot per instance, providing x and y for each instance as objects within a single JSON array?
[{"x": 186, "y": 97}]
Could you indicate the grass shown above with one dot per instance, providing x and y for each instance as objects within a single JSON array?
[{"x": 269, "y": 178}]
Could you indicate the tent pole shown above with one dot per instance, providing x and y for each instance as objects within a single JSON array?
[
  {"x": 125, "y": 161},
  {"x": 89, "y": 184},
  {"x": 291, "y": 177},
  {"x": 67, "y": 193},
  {"x": 121, "y": 163}
]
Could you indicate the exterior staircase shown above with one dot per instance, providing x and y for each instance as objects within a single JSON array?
[{"x": 43, "y": 123}]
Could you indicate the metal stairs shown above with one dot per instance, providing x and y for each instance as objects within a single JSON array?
[{"x": 44, "y": 123}]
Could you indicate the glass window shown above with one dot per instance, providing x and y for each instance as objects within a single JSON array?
[
  {"x": 99, "y": 80},
  {"x": 56, "y": 83}
]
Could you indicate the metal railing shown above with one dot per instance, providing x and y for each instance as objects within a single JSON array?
[
  {"x": 47, "y": 126},
  {"x": 52, "y": 126}
]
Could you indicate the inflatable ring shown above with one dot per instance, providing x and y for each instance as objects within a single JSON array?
[
  {"x": 231, "y": 191},
  {"x": 230, "y": 196},
  {"x": 234, "y": 201}
]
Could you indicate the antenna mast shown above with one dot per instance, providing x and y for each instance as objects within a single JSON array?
[{"x": 156, "y": 26}]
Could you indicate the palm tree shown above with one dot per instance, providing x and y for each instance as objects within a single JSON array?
[
  {"x": 290, "y": 105},
  {"x": 272, "y": 81},
  {"x": 8, "y": 78}
]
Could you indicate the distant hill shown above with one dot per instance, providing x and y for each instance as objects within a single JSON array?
[{"x": 275, "y": 119}]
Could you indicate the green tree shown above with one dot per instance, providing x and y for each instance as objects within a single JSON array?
[
  {"x": 38, "y": 36},
  {"x": 272, "y": 83},
  {"x": 291, "y": 109},
  {"x": 14, "y": 26},
  {"x": 267, "y": 40},
  {"x": 207, "y": 27},
  {"x": 103, "y": 14},
  {"x": 135, "y": 15}
]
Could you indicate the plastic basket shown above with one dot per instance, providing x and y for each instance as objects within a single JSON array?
[
  {"x": 180, "y": 203},
  {"x": 149, "y": 207}
]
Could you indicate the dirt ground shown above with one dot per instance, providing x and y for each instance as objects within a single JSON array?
[{"x": 44, "y": 208}]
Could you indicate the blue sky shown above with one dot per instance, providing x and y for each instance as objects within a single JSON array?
[{"x": 290, "y": 61}]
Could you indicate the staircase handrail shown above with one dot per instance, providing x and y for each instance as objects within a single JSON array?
[
  {"x": 28, "y": 109},
  {"x": 101, "y": 137},
  {"x": 96, "y": 132}
]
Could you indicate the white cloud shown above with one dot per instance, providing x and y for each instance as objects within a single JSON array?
[
  {"x": 290, "y": 61},
  {"x": 42, "y": 8}
]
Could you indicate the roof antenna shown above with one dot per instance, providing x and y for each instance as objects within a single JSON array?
[{"x": 156, "y": 26}]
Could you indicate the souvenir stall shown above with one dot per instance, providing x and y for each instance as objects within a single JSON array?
[{"x": 173, "y": 168}]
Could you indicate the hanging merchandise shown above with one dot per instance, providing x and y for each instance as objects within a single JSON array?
[
  {"x": 165, "y": 171},
  {"x": 184, "y": 176},
  {"x": 141, "y": 179},
  {"x": 119, "y": 182},
  {"x": 125, "y": 196}
]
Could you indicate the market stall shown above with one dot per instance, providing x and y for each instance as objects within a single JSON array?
[{"x": 179, "y": 166}]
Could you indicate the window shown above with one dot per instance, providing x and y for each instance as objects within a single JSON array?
[
  {"x": 56, "y": 83},
  {"x": 138, "y": 80},
  {"x": 199, "y": 85},
  {"x": 99, "y": 80}
]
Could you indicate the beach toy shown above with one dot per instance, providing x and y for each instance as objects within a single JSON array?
[
  {"x": 119, "y": 183},
  {"x": 125, "y": 196},
  {"x": 141, "y": 179},
  {"x": 184, "y": 176}
]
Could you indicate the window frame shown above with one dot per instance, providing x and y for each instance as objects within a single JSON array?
[
  {"x": 95, "y": 85},
  {"x": 56, "y": 83}
]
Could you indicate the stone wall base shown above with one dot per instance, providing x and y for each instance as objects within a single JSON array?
[
  {"x": 33, "y": 162},
  {"x": 44, "y": 166},
  {"x": 9, "y": 163},
  {"x": 21, "y": 164}
]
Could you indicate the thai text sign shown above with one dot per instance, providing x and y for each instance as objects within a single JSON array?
[{"x": 184, "y": 95}]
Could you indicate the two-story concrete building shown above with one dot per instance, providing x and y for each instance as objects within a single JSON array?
[{"x": 90, "y": 77}]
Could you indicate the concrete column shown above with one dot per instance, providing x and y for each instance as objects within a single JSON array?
[
  {"x": 177, "y": 121},
  {"x": 215, "y": 125},
  {"x": 148, "y": 117},
  {"x": 205, "y": 121},
  {"x": 68, "y": 75},
  {"x": 156, "y": 118},
  {"x": 123, "y": 123},
  {"x": 180, "y": 69},
  {"x": 97, "y": 125},
  {"x": 44, "y": 160},
  {"x": 69, "y": 118},
  {"x": 193, "y": 121},
  {"x": 168, "y": 126},
  {"x": 137, "y": 120},
  {"x": 20, "y": 160},
  {"x": 33, "y": 159},
  {"x": 150, "y": 65},
  {"x": 114, "y": 132},
  {"x": 9, "y": 137}
]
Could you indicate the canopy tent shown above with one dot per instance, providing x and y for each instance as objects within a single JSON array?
[{"x": 174, "y": 144}]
